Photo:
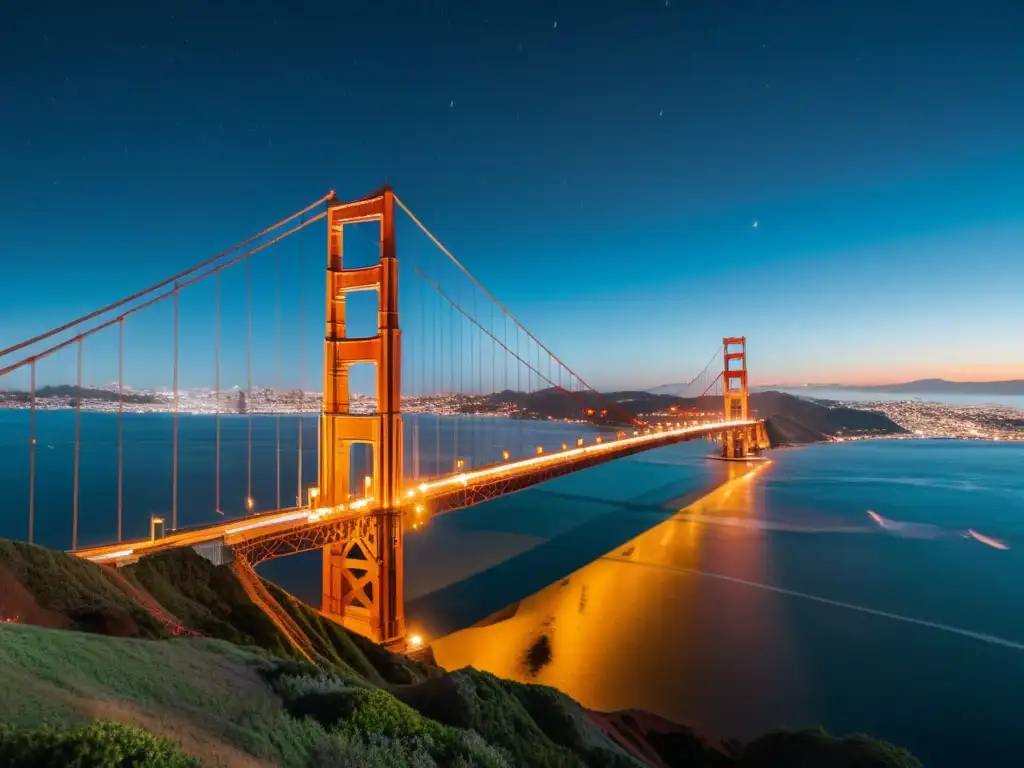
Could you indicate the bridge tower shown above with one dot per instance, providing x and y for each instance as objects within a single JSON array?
[
  {"x": 736, "y": 444},
  {"x": 363, "y": 575}
]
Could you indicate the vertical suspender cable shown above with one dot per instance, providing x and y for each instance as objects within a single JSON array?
[
  {"x": 248, "y": 379},
  {"x": 277, "y": 366},
  {"x": 437, "y": 363},
  {"x": 472, "y": 369},
  {"x": 78, "y": 442},
  {"x": 120, "y": 430},
  {"x": 174, "y": 461},
  {"x": 458, "y": 410},
  {"x": 494, "y": 372},
  {"x": 216, "y": 385},
  {"x": 302, "y": 372},
  {"x": 32, "y": 453}
]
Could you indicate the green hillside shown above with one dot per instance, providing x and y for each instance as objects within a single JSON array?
[{"x": 102, "y": 681}]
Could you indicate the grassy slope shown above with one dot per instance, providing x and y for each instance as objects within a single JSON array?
[{"x": 246, "y": 698}]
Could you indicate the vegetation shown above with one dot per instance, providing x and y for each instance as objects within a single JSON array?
[
  {"x": 243, "y": 693},
  {"x": 98, "y": 744},
  {"x": 72, "y": 592}
]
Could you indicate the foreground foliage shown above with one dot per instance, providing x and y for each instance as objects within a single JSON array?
[
  {"x": 245, "y": 693},
  {"x": 93, "y": 746}
]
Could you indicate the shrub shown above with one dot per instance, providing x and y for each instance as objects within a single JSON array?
[
  {"x": 812, "y": 747},
  {"x": 100, "y": 744}
]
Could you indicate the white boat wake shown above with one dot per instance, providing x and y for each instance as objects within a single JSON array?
[{"x": 928, "y": 531}]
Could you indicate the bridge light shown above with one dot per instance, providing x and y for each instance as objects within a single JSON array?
[
  {"x": 564, "y": 446},
  {"x": 367, "y": 481},
  {"x": 579, "y": 442},
  {"x": 418, "y": 508},
  {"x": 313, "y": 494},
  {"x": 597, "y": 439},
  {"x": 504, "y": 455},
  {"x": 249, "y": 503},
  {"x": 410, "y": 493},
  {"x": 540, "y": 449},
  {"x": 459, "y": 463},
  {"x": 154, "y": 521},
  {"x": 423, "y": 487},
  {"x": 416, "y": 641}
]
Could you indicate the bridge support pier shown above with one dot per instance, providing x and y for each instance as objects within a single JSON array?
[
  {"x": 363, "y": 580},
  {"x": 363, "y": 575}
]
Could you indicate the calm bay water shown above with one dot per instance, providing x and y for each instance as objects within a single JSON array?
[{"x": 774, "y": 600}]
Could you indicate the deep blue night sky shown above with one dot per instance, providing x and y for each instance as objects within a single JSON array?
[{"x": 601, "y": 167}]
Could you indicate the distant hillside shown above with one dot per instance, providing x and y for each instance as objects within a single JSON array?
[
  {"x": 791, "y": 419},
  {"x": 70, "y": 391},
  {"x": 943, "y": 387},
  {"x": 233, "y": 689}
]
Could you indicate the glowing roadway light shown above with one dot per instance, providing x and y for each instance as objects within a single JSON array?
[
  {"x": 415, "y": 641},
  {"x": 269, "y": 521},
  {"x": 249, "y": 503},
  {"x": 113, "y": 555},
  {"x": 558, "y": 458}
]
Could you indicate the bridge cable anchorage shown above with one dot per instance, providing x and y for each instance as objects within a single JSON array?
[
  {"x": 532, "y": 370},
  {"x": 164, "y": 283},
  {"x": 174, "y": 428},
  {"x": 120, "y": 431},
  {"x": 156, "y": 299},
  {"x": 433, "y": 238}
]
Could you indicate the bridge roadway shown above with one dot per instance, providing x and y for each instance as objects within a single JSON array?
[{"x": 266, "y": 535}]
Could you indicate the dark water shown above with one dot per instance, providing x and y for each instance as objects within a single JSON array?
[
  {"x": 778, "y": 600},
  {"x": 775, "y": 601},
  {"x": 148, "y": 487}
]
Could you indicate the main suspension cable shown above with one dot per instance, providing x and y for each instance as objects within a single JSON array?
[
  {"x": 168, "y": 281},
  {"x": 154, "y": 300}
]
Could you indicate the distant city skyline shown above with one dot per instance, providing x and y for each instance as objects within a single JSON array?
[{"x": 838, "y": 184}]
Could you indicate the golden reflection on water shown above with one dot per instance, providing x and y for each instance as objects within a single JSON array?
[{"x": 636, "y": 628}]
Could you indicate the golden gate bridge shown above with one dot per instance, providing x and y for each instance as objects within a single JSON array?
[{"x": 467, "y": 356}]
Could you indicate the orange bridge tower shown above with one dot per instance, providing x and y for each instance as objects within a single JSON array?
[
  {"x": 744, "y": 442},
  {"x": 362, "y": 575}
]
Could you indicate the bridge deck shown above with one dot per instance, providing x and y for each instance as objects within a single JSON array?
[{"x": 268, "y": 532}]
